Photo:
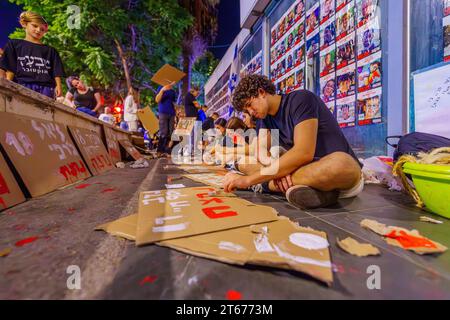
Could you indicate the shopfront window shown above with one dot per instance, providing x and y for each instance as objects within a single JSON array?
[{"x": 429, "y": 31}]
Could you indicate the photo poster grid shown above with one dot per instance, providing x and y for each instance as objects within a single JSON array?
[
  {"x": 446, "y": 29},
  {"x": 346, "y": 34}
]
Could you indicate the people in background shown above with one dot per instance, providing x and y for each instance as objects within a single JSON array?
[
  {"x": 83, "y": 98},
  {"x": 249, "y": 121},
  {"x": 221, "y": 126},
  {"x": 130, "y": 109},
  {"x": 202, "y": 113},
  {"x": 166, "y": 99},
  {"x": 191, "y": 105},
  {"x": 107, "y": 116},
  {"x": 209, "y": 122},
  {"x": 31, "y": 63}
]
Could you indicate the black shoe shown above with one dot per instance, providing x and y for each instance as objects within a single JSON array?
[{"x": 305, "y": 197}]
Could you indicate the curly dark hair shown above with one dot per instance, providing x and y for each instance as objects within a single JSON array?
[{"x": 249, "y": 87}]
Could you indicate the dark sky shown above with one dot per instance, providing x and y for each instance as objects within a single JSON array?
[
  {"x": 9, "y": 20},
  {"x": 229, "y": 26}
]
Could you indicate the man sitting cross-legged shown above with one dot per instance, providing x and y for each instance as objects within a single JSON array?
[{"x": 319, "y": 166}]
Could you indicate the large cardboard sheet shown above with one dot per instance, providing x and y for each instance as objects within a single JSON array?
[
  {"x": 42, "y": 152},
  {"x": 179, "y": 213},
  {"x": 149, "y": 120},
  {"x": 168, "y": 74},
  {"x": 279, "y": 244},
  {"x": 211, "y": 179},
  {"x": 130, "y": 149},
  {"x": 112, "y": 143},
  {"x": 92, "y": 149},
  {"x": 10, "y": 193}
]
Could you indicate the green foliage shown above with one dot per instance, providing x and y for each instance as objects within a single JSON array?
[
  {"x": 150, "y": 32},
  {"x": 202, "y": 70}
]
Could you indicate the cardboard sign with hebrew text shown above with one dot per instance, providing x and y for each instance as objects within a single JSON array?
[
  {"x": 92, "y": 149},
  {"x": 42, "y": 152},
  {"x": 10, "y": 193}
]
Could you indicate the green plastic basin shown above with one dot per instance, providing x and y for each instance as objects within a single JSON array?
[{"x": 432, "y": 182}]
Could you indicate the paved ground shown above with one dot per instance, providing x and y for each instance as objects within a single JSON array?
[{"x": 112, "y": 268}]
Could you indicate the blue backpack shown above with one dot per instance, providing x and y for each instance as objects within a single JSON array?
[{"x": 416, "y": 142}]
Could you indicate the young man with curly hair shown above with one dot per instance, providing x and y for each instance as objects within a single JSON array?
[{"x": 319, "y": 166}]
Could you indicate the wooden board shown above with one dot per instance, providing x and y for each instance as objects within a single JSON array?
[
  {"x": 10, "y": 193},
  {"x": 149, "y": 120},
  {"x": 42, "y": 152},
  {"x": 112, "y": 143},
  {"x": 130, "y": 149},
  {"x": 92, "y": 149},
  {"x": 168, "y": 74}
]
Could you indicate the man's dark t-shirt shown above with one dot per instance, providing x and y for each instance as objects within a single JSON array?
[
  {"x": 32, "y": 63},
  {"x": 300, "y": 106},
  {"x": 166, "y": 105},
  {"x": 189, "y": 107},
  {"x": 86, "y": 100}
]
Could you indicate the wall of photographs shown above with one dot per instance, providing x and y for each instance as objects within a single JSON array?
[
  {"x": 287, "y": 50},
  {"x": 255, "y": 66},
  {"x": 346, "y": 36},
  {"x": 446, "y": 30}
]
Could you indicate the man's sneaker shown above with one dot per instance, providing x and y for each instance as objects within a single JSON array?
[{"x": 305, "y": 197}]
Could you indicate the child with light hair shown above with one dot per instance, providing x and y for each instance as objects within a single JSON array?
[{"x": 31, "y": 63}]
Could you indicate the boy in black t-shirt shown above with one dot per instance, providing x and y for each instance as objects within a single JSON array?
[
  {"x": 319, "y": 166},
  {"x": 31, "y": 63}
]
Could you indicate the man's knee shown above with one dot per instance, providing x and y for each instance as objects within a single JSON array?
[{"x": 343, "y": 167}]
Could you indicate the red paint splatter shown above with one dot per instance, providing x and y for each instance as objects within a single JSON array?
[
  {"x": 109, "y": 190},
  {"x": 234, "y": 295},
  {"x": 408, "y": 241},
  {"x": 83, "y": 186},
  {"x": 20, "y": 227},
  {"x": 23, "y": 242},
  {"x": 148, "y": 279},
  {"x": 71, "y": 210}
]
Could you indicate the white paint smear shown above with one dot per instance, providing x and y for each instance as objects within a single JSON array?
[
  {"x": 162, "y": 220},
  {"x": 230, "y": 246},
  {"x": 308, "y": 241},
  {"x": 301, "y": 260},
  {"x": 175, "y": 186},
  {"x": 262, "y": 243},
  {"x": 171, "y": 228}
]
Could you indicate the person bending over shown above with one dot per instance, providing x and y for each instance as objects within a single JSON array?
[{"x": 319, "y": 166}]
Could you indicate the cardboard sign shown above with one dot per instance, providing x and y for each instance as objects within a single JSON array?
[
  {"x": 130, "y": 149},
  {"x": 211, "y": 179},
  {"x": 280, "y": 244},
  {"x": 406, "y": 239},
  {"x": 42, "y": 152},
  {"x": 185, "y": 126},
  {"x": 171, "y": 214},
  {"x": 168, "y": 74},
  {"x": 10, "y": 193},
  {"x": 149, "y": 120},
  {"x": 92, "y": 149},
  {"x": 194, "y": 169},
  {"x": 112, "y": 143}
]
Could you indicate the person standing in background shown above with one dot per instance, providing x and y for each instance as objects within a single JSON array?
[
  {"x": 165, "y": 99},
  {"x": 191, "y": 105},
  {"x": 107, "y": 116},
  {"x": 131, "y": 106},
  {"x": 31, "y": 63}
]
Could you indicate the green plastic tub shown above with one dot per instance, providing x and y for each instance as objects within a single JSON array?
[{"x": 432, "y": 182}]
